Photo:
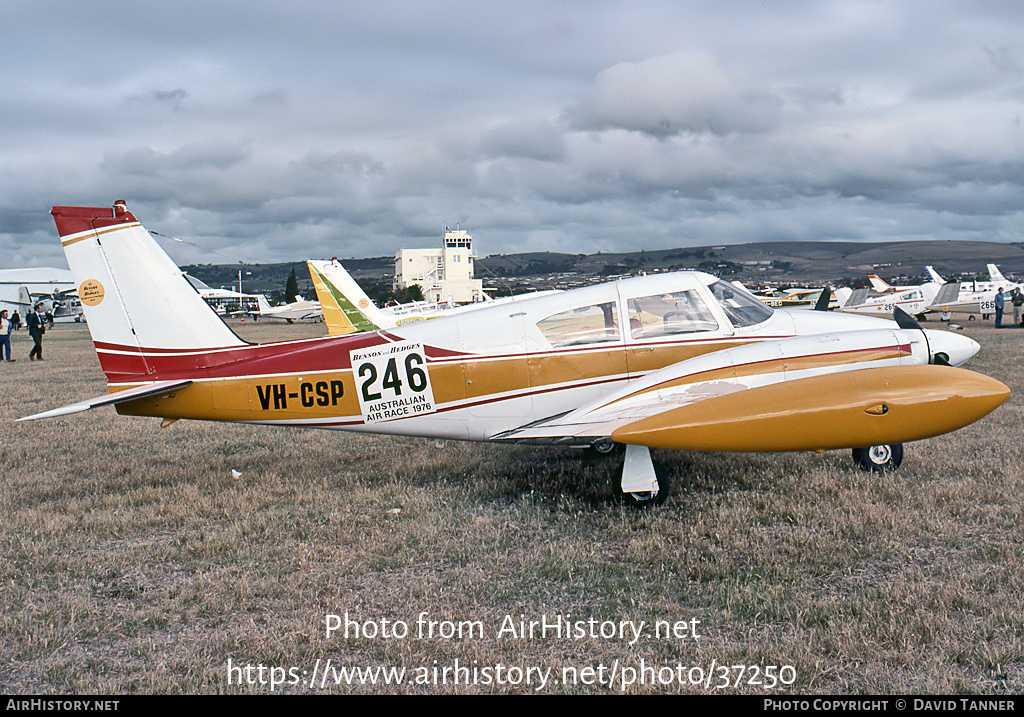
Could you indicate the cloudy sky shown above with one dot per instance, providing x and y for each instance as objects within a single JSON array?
[{"x": 281, "y": 131}]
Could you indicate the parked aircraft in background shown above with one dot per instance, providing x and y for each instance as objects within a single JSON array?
[
  {"x": 797, "y": 298},
  {"x": 972, "y": 298},
  {"x": 679, "y": 360},
  {"x": 22, "y": 289},
  {"x": 298, "y": 310},
  {"x": 914, "y": 300},
  {"x": 225, "y": 302}
]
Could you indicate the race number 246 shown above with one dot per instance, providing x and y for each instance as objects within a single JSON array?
[{"x": 392, "y": 382}]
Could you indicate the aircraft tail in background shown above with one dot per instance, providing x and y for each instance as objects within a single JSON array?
[
  {"x": 997, "y": 276},
  {"x": 347, "y": 309}
]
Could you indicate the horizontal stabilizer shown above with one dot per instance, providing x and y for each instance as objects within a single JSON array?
[{"x": 146, "y": 391}]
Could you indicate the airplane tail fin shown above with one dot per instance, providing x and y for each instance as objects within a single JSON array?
[
  {"x": 137, "y": 302},
  {"x": 347, "y": 309},
  {"x": 25, "y": 298},
  {"x": 263, "y": 304},
  {"x": 934, "y": 275},
  {"x": 996, "y": 275},
  {"x": 878, "y": 284}
]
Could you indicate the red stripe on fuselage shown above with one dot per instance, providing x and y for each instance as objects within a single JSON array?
[{"x": 329, "y": 353}]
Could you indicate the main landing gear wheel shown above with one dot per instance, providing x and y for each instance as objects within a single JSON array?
[
  {"x": 644, "y": 499},
  {"x": 642, "y": 483},
  {"x": 602, "y": 449},
  {"x": 879, "y": 458}
]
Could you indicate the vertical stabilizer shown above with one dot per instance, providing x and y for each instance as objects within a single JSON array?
[
  {"x": 996, "y": 276},
  {"x": 879, "y": 285},
  {"x": 347, "y": 309},
  {"x": 136, "y": 300}
]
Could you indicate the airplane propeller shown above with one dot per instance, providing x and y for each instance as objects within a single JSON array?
[
  {"x": 906, "y": 321},
  {"x": 824, "y": 299}
]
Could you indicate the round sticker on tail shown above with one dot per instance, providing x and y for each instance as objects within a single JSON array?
[{"x": 90, "y": 292}]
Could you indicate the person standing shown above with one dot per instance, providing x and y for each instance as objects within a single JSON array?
[
  {"x": 6, "y": 326},
  {"x": 36, "y": 328},
  {"x": 1000, "y": 303},
  {"x": 1018, "y": 302}
]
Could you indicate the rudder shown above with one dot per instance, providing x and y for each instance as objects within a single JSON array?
[{"x": 136, "y": 300}]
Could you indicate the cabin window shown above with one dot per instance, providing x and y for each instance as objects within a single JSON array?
[
  {"x": 742, "y": 307},
  {"x": 682, "y": 312},
  {"x": 582, "y": 325}
]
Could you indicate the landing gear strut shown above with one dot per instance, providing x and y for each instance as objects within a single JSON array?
[{"x": 642, "y": 484}]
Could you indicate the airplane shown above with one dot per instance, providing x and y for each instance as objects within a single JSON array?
[
  {"x": 298, "y": 310},
  {"x": 972, "y": 297},
  {"x": 676, "y": 361},
  {"x": 348, "y": 309},
  {"x": 22, "y": 289},
  {"x": 225, "y": 302},
  {"x": 789, "y": 298},
  {"x": 913, "y": 300}
]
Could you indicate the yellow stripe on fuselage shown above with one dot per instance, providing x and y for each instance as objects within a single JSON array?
[{"x": 332, "y": 395}]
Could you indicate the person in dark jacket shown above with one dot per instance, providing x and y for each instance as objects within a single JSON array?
[{"x": 36, "y": 328}]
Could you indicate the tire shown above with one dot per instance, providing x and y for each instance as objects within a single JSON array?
[
  {"x": 601, "y": 449},
  {"x": 879, "y": 458},
  {"x": 647, "y": 499}
]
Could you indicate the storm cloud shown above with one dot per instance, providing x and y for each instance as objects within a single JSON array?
[{"x": 270, "y": 132}]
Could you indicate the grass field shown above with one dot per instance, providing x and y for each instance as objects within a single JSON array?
[{"x": 132, "y": 560}]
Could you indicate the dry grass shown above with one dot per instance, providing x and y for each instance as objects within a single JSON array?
[{"x": 132, "y": 561}]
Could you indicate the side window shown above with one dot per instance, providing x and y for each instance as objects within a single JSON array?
[
  {"x": 582, "y": 325},
  {"x": 682, "y": 312}
]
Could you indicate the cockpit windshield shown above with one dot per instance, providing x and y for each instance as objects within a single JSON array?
[{"x": 742, "y": 307}]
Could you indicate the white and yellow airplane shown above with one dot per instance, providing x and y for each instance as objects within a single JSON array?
[{"x": 681, "y": 360}]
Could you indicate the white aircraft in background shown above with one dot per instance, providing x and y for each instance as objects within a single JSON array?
[
  {"x": 972, "y": 297},
  {"x": 680, "y": 361},
  {"x": 22, "y": 289},
  {"x": 913, "y": 300},
  {"x": 298, "y": 310}
]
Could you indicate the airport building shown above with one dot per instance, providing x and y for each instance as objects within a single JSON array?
[{"x": 444, "y": 274}]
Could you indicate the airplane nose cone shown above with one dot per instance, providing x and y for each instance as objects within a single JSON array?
[{"x": 957, "y": 347}]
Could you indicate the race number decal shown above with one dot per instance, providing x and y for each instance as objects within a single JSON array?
[{"x": 392, "y": 381}]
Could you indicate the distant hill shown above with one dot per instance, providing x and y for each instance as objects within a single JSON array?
[{"x": 798, "y": 262}]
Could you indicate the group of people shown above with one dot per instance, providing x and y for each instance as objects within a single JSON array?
[
  {"x": 36, "y": 322},
  {"x": 1016, "y": 300}
]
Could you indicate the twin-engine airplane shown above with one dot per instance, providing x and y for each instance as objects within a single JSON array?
[{"x": 677, "y": 360}]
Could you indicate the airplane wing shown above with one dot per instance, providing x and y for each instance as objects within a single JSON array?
[
  {"x": 151, "y": 389},
  {"x": 805, "y": 393}
]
